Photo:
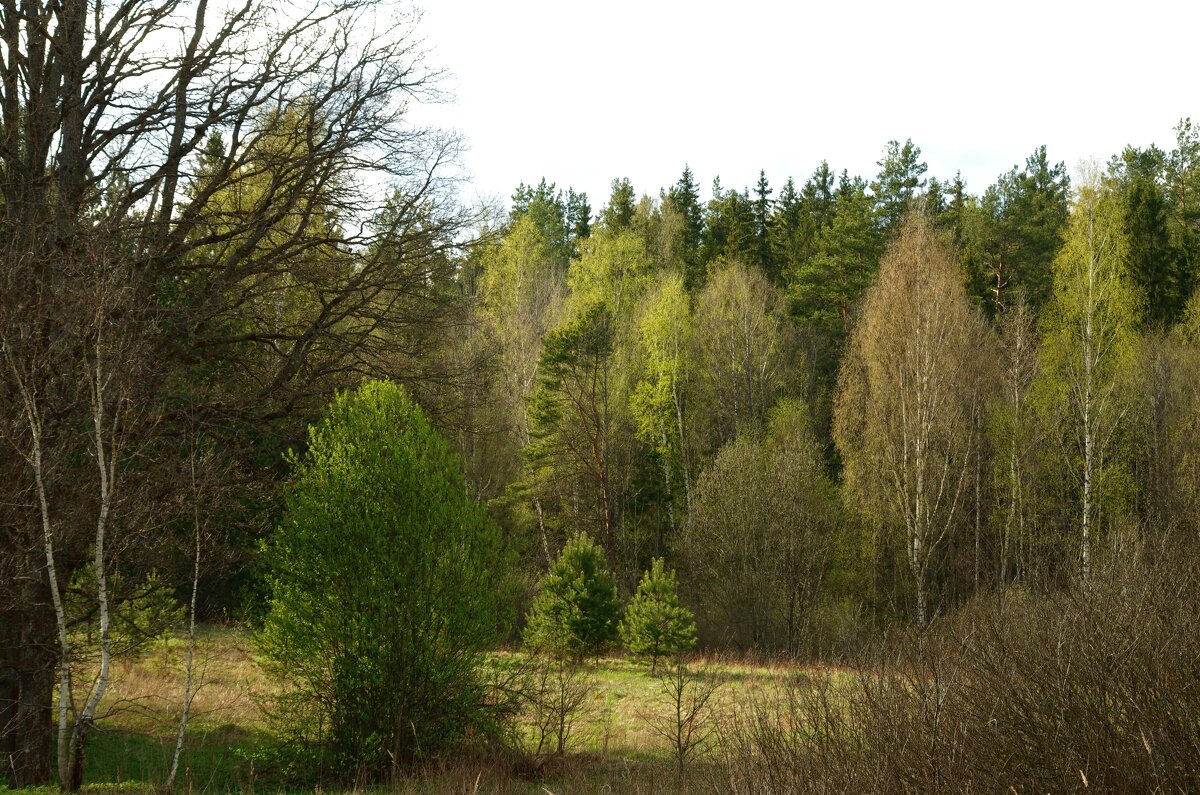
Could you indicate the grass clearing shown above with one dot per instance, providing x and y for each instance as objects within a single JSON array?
[{"x": 614, "y": 747}]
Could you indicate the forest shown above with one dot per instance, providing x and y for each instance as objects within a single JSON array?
[{"x": 887, "y": 484}]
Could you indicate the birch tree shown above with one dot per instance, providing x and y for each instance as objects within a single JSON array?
[
  {"x": 1088, "y": 358},
  {"x": 522, "y": 292},
  {"x": 103, "y": 349},
  {"x": 745, "y": 349},
  {"x": 903, "y": 408},
  {"x": 1015, "y": 433},
  {"x": 760, "y": 536},
  {"x": 658, "y": 400}
]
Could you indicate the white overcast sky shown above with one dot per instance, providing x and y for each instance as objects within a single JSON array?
[{"x": 584, "y": 92}]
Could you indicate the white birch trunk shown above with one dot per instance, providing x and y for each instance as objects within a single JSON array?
[{"x": 191, "y": 656}]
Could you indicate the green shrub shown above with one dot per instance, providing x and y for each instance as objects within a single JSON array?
[
  {"x": 382, "y": 579},
  {"x": 656, "y": 624},
  {"x": 576, "y": 611}
]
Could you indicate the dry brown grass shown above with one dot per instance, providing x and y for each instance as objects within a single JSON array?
[
  {"x": 616, "y": 746},
  {"x": 146, "y": 692}
]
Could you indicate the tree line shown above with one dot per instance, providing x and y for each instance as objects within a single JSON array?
[{"x": 849, "y": 403}]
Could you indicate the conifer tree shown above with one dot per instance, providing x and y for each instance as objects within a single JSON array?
[
  {"x": 899, "y": 180},
  {"x": 576, "y": 610},
  {"x": 656, "y": 624},
  {"x": 684, "y": 197}
]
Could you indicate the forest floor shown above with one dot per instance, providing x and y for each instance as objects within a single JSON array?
[{"x": 618, "y": 743}]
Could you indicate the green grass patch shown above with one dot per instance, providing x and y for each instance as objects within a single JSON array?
[{"x": 614, "y": 745}]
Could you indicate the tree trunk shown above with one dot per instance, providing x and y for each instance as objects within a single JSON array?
[{"x": 31, "y": 736}]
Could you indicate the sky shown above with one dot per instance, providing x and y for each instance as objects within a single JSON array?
[{"x": 582, "y": 93}]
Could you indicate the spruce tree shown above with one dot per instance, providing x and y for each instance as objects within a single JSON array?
[{"x": 684, "y": 197}]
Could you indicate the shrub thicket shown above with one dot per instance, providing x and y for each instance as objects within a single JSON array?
[{"x": 1094, "y": 688}]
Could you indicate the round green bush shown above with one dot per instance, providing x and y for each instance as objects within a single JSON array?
[{"x": 383, "y": 577}]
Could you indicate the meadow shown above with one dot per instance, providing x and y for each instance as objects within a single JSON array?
[{"x": 618, "y": 743}]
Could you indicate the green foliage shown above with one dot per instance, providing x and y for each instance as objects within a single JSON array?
[
  {"x": 744, "y": 348},
  {"x": 1025, "y": 218},
  {"x": 383, "y": 578},
  {"x": 759, "y": 536},
  {"x": 570, "y": 420},
  {"x": 613, "y": 267},
  {"x": 1087, "y": 359},
  {"x": 656, "y": 403},
  {"x": 899, "y": 180},
  {"x": 656, "y": 624},
  {"x": 764, "y": 253},
  {"x": 618, "y": 214},
  {"x": 731, "y": 231},
  {"x": 684, "y": 198},
  {"x": 141, "y": 612},
  {"x": 1158, "y": 259},
  {"x": 576, "y": 611},
  {"x": 825, "y": 288},
  {"x": 561, "y": 220}
]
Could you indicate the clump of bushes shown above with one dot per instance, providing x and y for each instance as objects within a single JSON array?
[
  {"x": 383, "y": 577},
  {"x": 1096, "y": 687}
]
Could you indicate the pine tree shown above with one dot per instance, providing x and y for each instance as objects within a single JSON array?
[
  {"x": 576, "y": 611},
  {"x": 656, "y": 624},
  {"x": 899, "y": 180}
]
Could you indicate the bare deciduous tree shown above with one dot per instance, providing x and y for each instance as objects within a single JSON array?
[
  {"x": 236, "y": 198},
  {"x": 903, "y": 411}
]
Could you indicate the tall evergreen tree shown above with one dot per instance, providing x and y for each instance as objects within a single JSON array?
[
  {"x": 1157, "y": 265},
  {"x": 1027, "y": 211},
  {"x": 785, "y": 227},
  {"x": 622, "y": 206},
  {"x": 763, "y": 204},
  {"x": 570, "y": 416},
  {"x": 730, "y": 227},
  {"x": 578, "y": 216},
  {"x": 825, "y": 288},
  {"x": 684, "y": 197},
  {"x": 1183, "y": 193},
  {"x": 899, "y": 180},
  {"x": 545, "y": 207}
]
